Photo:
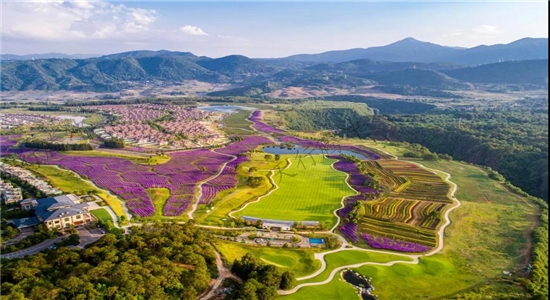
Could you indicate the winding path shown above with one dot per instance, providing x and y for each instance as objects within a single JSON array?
[
  {"x": 346, "y": 246},
  {"x": 196, "y": 204},
  {"x": 223, "y": 273}
]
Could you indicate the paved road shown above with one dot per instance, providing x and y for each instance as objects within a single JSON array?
[
  {"x": 31, "y": 250},
  {"x": 223, "y": 273},
  {"x": 89, "y": 236}
]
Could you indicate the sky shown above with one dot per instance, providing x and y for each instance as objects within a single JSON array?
[{"x": 259, "y": 29}]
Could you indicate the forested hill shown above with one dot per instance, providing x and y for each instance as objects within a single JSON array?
[
  {"x": 255, "y": 77},
  {"x": 152, "y": 262},
  {"x": 515, "y": 143}
]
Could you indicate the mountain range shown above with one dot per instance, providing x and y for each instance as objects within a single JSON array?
[
  {"x": 405, "y": 67},
  {"x": 410, "y": 49}
]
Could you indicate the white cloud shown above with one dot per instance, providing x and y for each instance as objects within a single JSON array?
[
  {"x": 192, "y": 30},
  {"x": 477, "y": 33},
  {"x": 487, "y": 30},
  {"x": 73, "y": 20}
]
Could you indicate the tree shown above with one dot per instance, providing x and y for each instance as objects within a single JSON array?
[
  {"x": 268, "y": 157},
  {"x": 277, "y": 157},
  {"x": 430, "y": 157},
  {"x": 287, "y": 281}
]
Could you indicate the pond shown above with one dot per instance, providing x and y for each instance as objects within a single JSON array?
[
  {"x": 224, "y": 108},
  {"x": 359, "y": 282},
  {"x": 301, "y": 150}
]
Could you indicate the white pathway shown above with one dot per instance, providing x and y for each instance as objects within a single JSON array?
[{"x": 196, "y": 204}]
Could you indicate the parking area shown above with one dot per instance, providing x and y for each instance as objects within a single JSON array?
[{"x": 88, "y": 236}]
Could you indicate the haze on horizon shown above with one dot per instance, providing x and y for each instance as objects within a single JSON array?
[{"x": 259, "y": 29}]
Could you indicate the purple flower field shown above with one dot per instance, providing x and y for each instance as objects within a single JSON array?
[
  {"x": 249, "y": 142},
  {"x": 260, "y": 126},
  {"x": 350, "y": 231},
  {"x": 6, "y": 142},
  {"x": 379, "y": 242},
  {"x": 128, "y": 180}
]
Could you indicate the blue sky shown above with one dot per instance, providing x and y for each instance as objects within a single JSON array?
[{"x": 260, "y": 28}]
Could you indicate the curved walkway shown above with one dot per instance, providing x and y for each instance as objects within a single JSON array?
[
  {"x": 346, "y": 246},
  {"x": 196, "y": 204}
]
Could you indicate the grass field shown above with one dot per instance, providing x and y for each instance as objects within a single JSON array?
[
  {"x": 68, "y": 182},
  {"x": 312, "y": 194},
  {"x": 299, "y": 261},
  {"x": 236, "y": 123},
  {"x": 337, "y": 289},
  {"x": 102, "y": 214},
  {"x": 351, "y": 257},
  {"x": 159, "y": 197},
  {"x": 146, "y": 160}
]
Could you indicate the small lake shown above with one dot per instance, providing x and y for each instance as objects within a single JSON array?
[
  {"x": 360, "y": 282},
  {"x": 301, "y": 150},
  {"x": 224, "y": 108}
]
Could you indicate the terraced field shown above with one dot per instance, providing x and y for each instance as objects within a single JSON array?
[
  {"x": 412, "y": 208},
  {"x": 312, "y": 194}
]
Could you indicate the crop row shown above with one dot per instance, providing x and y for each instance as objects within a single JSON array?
[{"x": 405, "y": 232}]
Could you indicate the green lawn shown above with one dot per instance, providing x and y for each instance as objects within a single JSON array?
[
  {"x": 137, "y": 158},
  {"x": 351, "y": 257},
  {"x": 337, "y": 289},
  {"x": 236, "y": 123},
  {"x": 299, "y": 261},
  {"x": 159, "y": 197},
  {"x": 102, "y": 214},
  {"x": 68, "y": 182},
  {"x": 312, "y": 194}
]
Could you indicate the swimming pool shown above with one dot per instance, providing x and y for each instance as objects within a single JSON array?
[{"x": 315, "y": 241}]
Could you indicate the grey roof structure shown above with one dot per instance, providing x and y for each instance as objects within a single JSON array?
[
  {"x": 58, "y": 207},
  {"x": 25, "y": 222}
]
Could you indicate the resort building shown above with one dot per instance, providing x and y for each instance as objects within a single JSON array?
[{"x": 56, "y": 212}]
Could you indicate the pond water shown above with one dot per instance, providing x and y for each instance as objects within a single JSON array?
[
  {"x": 301, "y": 150},
  {"x": 358, "y": 281},
  {"x": 224, "y": 108}
]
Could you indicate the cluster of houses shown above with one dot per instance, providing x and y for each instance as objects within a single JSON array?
[
  {"x": 26, "y": 176},
  {"x": 138, "y": 133},
  {"x": 13, "y": 120},
  {"x": 58, "y": 212},
  {"x": 8, "y": 193},
  {"x": 189, "y": 123},
  {"x": 135, "y": 113}
]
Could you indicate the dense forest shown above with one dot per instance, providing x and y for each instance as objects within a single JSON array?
[
  {"x": 152, "y": 262},
  {"x": 315, "y": 115},
  {"x": 261, "y": 280},
  {"x": 515, "y": 143},
  {"x": 39, "y": 144}
]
